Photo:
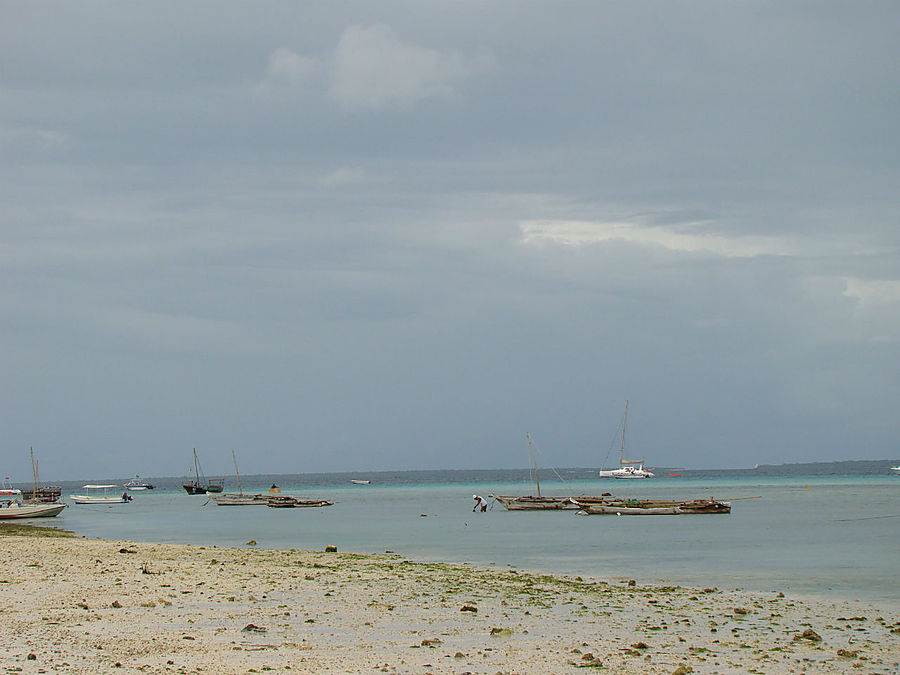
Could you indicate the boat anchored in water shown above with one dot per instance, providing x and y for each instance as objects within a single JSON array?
[
  {"x": 239, "y": 498},
  {"x": 100, "y": 494},
  {"x": 198, "y": 487},
  {"x": 652, "y": 507},
  {"x": 532, "y": 502},
  {"x": 11, "y": 507},
  {"x": 628, "y": 468},
  {"x": 137, "y": 484}
]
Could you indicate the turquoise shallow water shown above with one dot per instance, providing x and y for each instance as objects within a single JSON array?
[{"x": 833, "y": 536}]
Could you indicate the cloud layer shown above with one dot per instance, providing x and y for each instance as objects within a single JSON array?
[{"x": 372, "y": 237}]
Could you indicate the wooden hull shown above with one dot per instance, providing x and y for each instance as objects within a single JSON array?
[
  {"x": 651, "y": 507},
  {"x": 231, "y": 499},
  {"x": 514, "y": 503},
  {"x": 14, "y": 511},
  {"x": 285, "y": 502}
]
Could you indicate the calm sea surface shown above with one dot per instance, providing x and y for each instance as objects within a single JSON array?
[{"x": 836, "y": 536}]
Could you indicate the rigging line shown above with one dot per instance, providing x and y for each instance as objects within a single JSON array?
[
  {"x": 612, "y": 443},
  {"x": 852, "y": 520},
  {"x": 556, "y": 473}
]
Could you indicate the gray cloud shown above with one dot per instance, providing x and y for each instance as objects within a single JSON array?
[{"x": 406, "y": 237}]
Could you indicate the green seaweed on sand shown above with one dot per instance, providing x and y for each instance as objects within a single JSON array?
[{"x": 17, "y": 530}]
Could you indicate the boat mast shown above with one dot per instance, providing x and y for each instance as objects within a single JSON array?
[
  {"x": 196, "y": 467},
  {"x": 537, "y": 479},
  {"x": 622, "y": 446},
  {"x": 34, "y": 470},
  {"x": 237, "y": 473}
]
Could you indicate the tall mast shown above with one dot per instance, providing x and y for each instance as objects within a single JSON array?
[
  {"x": 196, "y": 466},
  {"x": 237, "y": 473},
  {"x": 34, "y": 470},
  {"x": 537, "y": 478},
  {"x": 624, "y": 424}
]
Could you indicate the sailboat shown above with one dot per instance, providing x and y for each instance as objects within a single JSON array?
[
  {"x": 628, "y": 468},
  {"x": 196, "y": 487},
  {"x": 533, "y": 502},
  {"x": 47, "y": 494},
  {"x": 239, "y": 498}
]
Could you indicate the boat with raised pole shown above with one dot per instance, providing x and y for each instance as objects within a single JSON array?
[
  {"x": 628, "y": 468},
  {"x": 536, "y": 502},
  {"x": 239, "y": 498},
  {"x": 201, "y": 487},
  {"x": 12, "y": 506}
]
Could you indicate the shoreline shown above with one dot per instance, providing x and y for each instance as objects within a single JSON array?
[{"x": 74, "y": 605}]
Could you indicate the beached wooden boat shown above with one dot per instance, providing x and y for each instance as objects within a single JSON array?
[
  {"x": 288, "y": 502},
  {"x": 651, "y": 507}
]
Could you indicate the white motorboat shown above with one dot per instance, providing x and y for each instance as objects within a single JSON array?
[
  {"x": 137, "y": 484},
  {"x": 895, "y": 469},
  {"x": 11, "y": 506},
  {"x": 628, "y": 468},
  {"x": 99, "y": 494}
]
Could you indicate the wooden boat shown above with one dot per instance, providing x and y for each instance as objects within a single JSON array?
[
  {"x": 651, "y": 507},
  {"x": 197, "y": 487},
  {"x": 628, "y": 468},
  {"x": 532, "y": 502},
  {"x": 46, "y": 494},
  {"x": 239, "y": 498},
  {"x": 99, "y": 494},
  {"x": 288, "y": 502},
  {"x": 11, "y": 507}
]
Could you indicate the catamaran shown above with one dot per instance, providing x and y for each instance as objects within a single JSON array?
[{"x": 628, "y": 468}]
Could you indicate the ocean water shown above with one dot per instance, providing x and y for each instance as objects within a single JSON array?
[{"x": 833, "y": 536}]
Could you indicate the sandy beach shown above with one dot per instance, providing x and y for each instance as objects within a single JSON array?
[{"x": 73, "y": 605}]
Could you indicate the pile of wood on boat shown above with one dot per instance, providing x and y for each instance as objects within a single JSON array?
[{"x": 649, "y": 507}]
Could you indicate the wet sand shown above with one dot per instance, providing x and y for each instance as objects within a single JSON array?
[{"x": 74, "y": 605}]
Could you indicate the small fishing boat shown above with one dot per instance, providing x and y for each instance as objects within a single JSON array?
[
  {"x": 137, "y": 484},
  {"x": 651, "y": 507},
  {"x": 198, "y": 487},
  {"x": 11, "y": 507},
  {"x": 532, "y": 502},
  {"x": 288, "y": 502},
  {"x": 239, "y": 498},
  {"x": 99, "y": 494},
  {"x": 361, "y": 482}
]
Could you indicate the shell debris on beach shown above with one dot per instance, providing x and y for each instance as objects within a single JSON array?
[{"x": 92, "y": 606}]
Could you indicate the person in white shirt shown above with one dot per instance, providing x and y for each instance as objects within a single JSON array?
[{"x": 480, "y": 502}]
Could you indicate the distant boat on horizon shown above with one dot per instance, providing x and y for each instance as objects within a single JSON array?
[
  {"x": 628, "y": 468},
  {"x": 196, "y": 487}
]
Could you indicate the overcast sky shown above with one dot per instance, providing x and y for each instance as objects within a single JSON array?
[{"x": 398, "y": 235}]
